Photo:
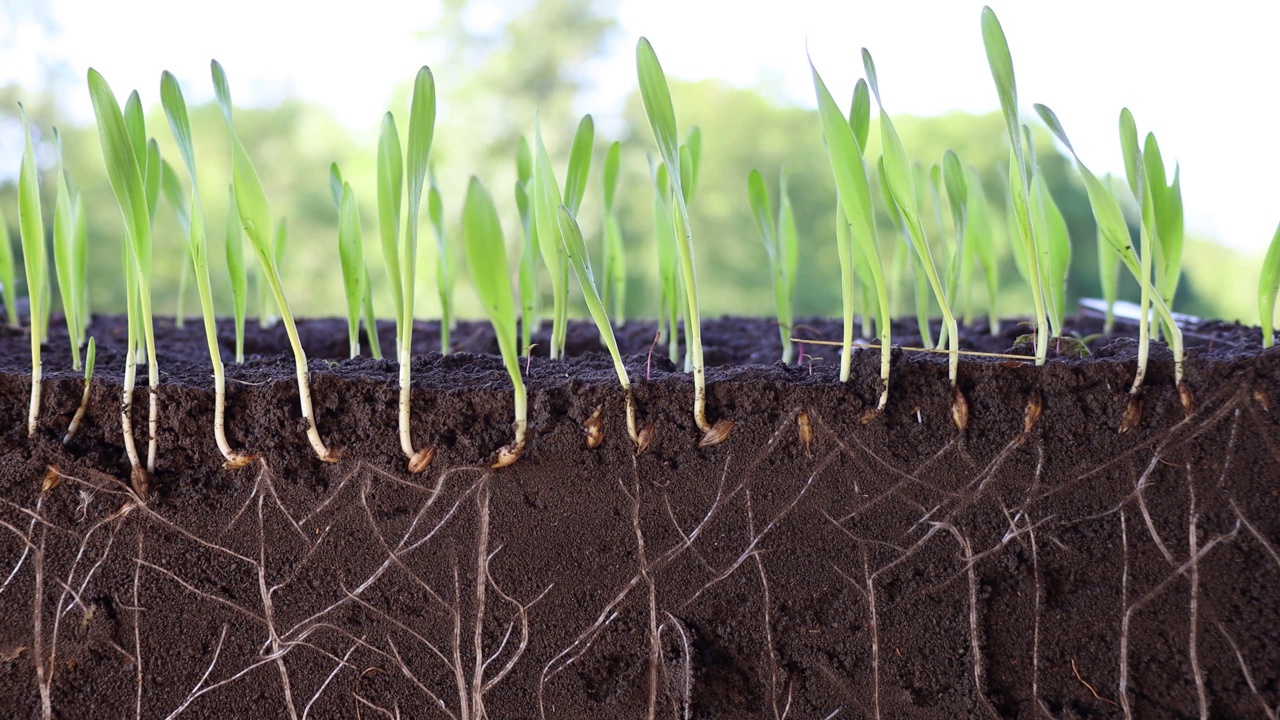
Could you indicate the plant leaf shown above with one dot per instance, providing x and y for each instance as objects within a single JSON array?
[
  {"x": 860, "y": 113},
  {"x": 612, "y": 166},
  {"x": 758, "y": 196},
  {"x": 658, "y": 108},
  {"x": 335, "y": 187},
  {"x": 351, "y": 257},
  {"x": 390, "y": 193},
  {"x": 575, "y": 180},
  {"x": 487, "y": 258}
]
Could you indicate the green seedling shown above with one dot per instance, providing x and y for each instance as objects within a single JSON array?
[
  {"x": 31, "y": 228},
  {"x": 444, "y": 263},
  {"x": 365, "y": 301},
  {"x": 175, "y": 108},
  {"x": 266, "y": 318},
  {"x": 1167, "y": 203},
  {"x": 1108, "y": 270},
  {"x": 614, "y": 292},
  {"x": 80, "y": 272},
  {"x": 236, "y": 270},
  {"x": 1025, "y": 240},
  {"x": 255, "y": 217},
  {"x": 7, "y": 274},
  {"x": 546, "y": 199},
  {"x": 782, "y": 270},
  {"x": 898, "y": 175},
  {"x": 576, "y": 249},
  {"x": 400, "y": 246},
  {"x": 529, "y": 251},
  {"x": 64, "y": 256},
  {"x": 351, "y": 255},
  {"x": 662, "y": 121},
  {"x": 665, "y": 243},
  {"x": 957, "y": 190},
  {"x": 90, "y": 357},
  {"x": 1268, "y": 289},
  {"x": 1111, "y": 223},
  {"x": 487, "y": 257},
  {"x": 136, "y": 189},
  {"x": 980, "y": 244},
  {"x": 855, "y": 218}
]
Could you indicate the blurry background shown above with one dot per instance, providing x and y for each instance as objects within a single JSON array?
[{"x": 311, "y": 87}]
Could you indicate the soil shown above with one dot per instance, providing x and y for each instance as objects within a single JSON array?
[{"x": 895, "y": 569}]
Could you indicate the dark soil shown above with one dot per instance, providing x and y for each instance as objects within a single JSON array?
[{"x": 897, "y": 569}]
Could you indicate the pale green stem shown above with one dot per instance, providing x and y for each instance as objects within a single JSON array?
[{"x": 300, "y": 362}]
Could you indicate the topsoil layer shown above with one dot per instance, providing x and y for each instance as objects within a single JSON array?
[{"x": 897, "y": 569}]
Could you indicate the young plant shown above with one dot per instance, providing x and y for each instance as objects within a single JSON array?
[
  {"x": 400, "y": 250},
  {"x": 1025, "y": 240},
  {"x": 7, "y": 273},
  {"x": 1167, "y": 203},
  {"x": 1268, "y": 289},
  {"x": 64, "y": 256},
  {"x": 136, "y": 189},
  {"x": 80, "y": 270},
  {"x": 576, "y": 249},
  {"x": 957, "y": 189},
  {"x": 175, "y": 109},
  {"x": 31, "y": 227},
  {"x": 444, "y": 263},
  {"x": 781, "y": 269},
  {"x": 1111, "y": 223},
  {"x": 546, "y": 198},
  {"x": 89, "y": 359},
  {"x": 902, "y": 188},
  {"x": 668, "y": 275},
  {"x": 614, "y": 290},
  {"x": 236, "y": 270},
  {"x": 487, "y": 257},
  {"x": 255, "y": 216},
  {"x": 365, "y": 301},
  {"x": 529, "y": 250},
  {"x": 662, "y": 121},
  {"x": 980, "y": 237},
  {"x": 351, "y": 256},
  {"x": 855, "y": 218}
]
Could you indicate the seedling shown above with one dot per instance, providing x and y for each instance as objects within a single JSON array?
[
  {"x": 364, "y": 301},
  {"x": 662, "y": 121},
  {"x": 980, "y": 244},
  {"x": 444, "y": 263},
  {"x": 665, "y": 242},
  {"x": 31, "y": 228},
  {"x": 1111, "y": 223},
  {"x": 775, "y": 238},
  {"x": 957, "y": 187},
  {"x": 855, "y": 218},
  {"x": 236, "y": 270},
  {"x": 255, "y": 216},
  {"x": 614, "y": 290},
  {"x": 576, "y": 249},
  {"x": 487, "y": 257},
  {"x": 902, "y": 189},
  {"x": 175, "y": 108},
  {"x": 546, "y": 199},
  {"x": 64, "y": 256},
  {"x": 91, "y": 355},
  {"x": 400, "y": 250},
  {"x": 136, "y": 190},
  {"x": 1268, "y": 289},
  {"x": 7, "y": 274},
  {"x": 529, "y": 250}
]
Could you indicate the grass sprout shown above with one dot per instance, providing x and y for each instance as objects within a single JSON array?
[
  {"x": 7, "y": 274},
  {"x": 668, "y": 275},
  {"x": 576, "y": 249},
  {"x": 614, "y": 282},
  {"x": 65, "y": 256},
  {"x": 365, "y": 302},
  {"x": 487, "y": 258},
  {"x": 782, "y": 272},
  {"x": 31, "y": 228},
  {"x": 444, "y": 263},
  {"x": 236, "y": 270},
  {"x": 90, "y": 358},
  {"x": 902, "y": 188},
  {"x": 1112, "y": 225},
  {"x": 175, "y": 107},
  {"x": 1268, "y": 289},
  {"x": 656, "y": 96},
  {"x": 546, "y": 199},
  {"x": 529, "y": 251},
  {"x": 980, "y": 244},
  {"x": 255, "y": 216},
  {"x": 351, "y": 257}
]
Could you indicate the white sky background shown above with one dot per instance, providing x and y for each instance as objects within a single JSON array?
[{"x": 1177, "y": 66}]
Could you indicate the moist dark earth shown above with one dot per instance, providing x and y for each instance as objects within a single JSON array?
[{"x": 894, "y": 569}]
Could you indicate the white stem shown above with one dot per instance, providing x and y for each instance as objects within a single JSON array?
[
  {"x": 153, "y": 414},
  {"x": 406, "y": 440},
  {"x": 300, "y": 362},
  {"x": 80, "y": 413},
  {"x": 631, "y": 417},
  {"x": 522, "y": 411},
  {"x": 33, "y": 416},
  {"x": 126, "y": 407}
]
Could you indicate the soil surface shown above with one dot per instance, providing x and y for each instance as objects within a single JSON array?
[{"x": 893, "y": 569}]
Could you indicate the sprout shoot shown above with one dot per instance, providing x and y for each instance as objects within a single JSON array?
[
  {"x": 444, "y": 264},
  {"x": 487, "y": 257},
  {"x": 365, "y": 301},
  {"x": 662, "y": 121},
  {"x": 781, "y": 269},
  {"x": 31, "y": 226},
  {"x": 255, "y": 216},
  {"x": 614, "y": 291},
  {"x": 236, "y": 270},
  {"x": 7, "y": 273},
  {"x": 351, "y": 257},
  {"x": 1268, "y": 289},
  {"x": 546, "y": 199},
  {"x": 90, "y": 357},
  {"x": 529, "y": 250},
  {"x": 64, "y": 256}
]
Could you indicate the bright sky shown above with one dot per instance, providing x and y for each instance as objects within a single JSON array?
[{"x": 1176, "y": 68}]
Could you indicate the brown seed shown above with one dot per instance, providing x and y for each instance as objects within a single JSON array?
[
  {"x": 238, "y": 460},
  {"x": 1260, "y": 396},
  {"x": 806, "y": 431},
  {"x": 1188, "y": 400},
  {"x": 717, "y": 434},
  {"x": 868, "y": 416},
  {"x": 141, "y": 483},
  {"x": 959, "y": 409},
  {"x": 1031, "y": 415},
  {"x": 51, "y": 479},
  {"x": 506, "y": 456},
  {"x": 421, "y": 460},
  {"x": 594, "y": 428},
  {"x": 1132, "y": 414},
  {"x": 644, "y": 438}
]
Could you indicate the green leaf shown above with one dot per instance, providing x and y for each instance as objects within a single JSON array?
[
  {"x": 658, "y": 108},
  {"x": 251, "y": 198},
  {"x": 7, "y": 272},
  {"x": 788, "y": 238},
  {"x": 758, "y": 196},
  {"x": 422, "y": 121},
  {"x": 524, "y": 162},
  {"x": 1268, "y": 289},
  {"x": 487, "y": 258},
  {"x": 546, "y": 198},
  {"x": 236, "y": 269},
  {"x": 1000, "y": 61},
  {"x": 175, "y": 107},
  {"x": 351, "y": 256},
  {"x": 1053, "y": 228},
  {"x": 335, "y": 187},
  {"x": 860, "y": 113},
  {"x": 612, "y": 166},
  {"x": 123, "y": 169},
  {"x": 575, "y": 247},
  {"x": 81, "y": 263},
  {"x": 134, "y": 122},
  {"x": 64, "y": 254},
  {"x": 1133, "y": 169},
  {"x": 575, "y": 181},
  {"x": 171, "y": 185},
  {"x": 691, "y": 158},
  {"x": 390, "y": 194}
]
